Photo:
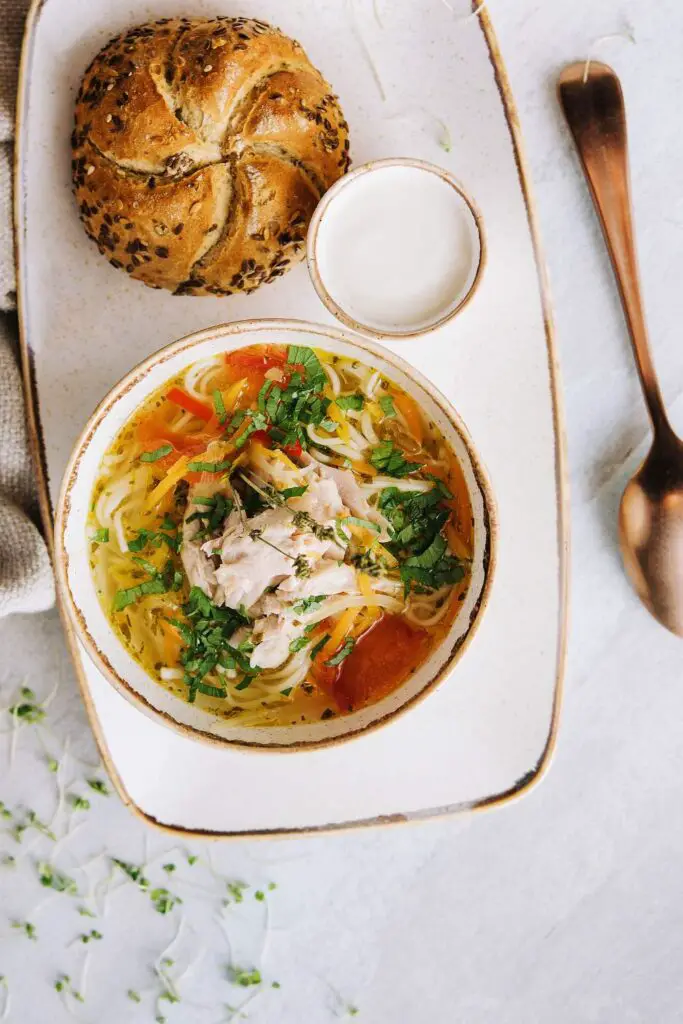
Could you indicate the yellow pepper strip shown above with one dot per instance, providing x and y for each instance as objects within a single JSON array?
[
  {"x": 364, "y": 584},
  {"x": 411, "y": 414},
  {"x": 176, "y": 473},
  {"x": 336, "y": 414},
  {"x": 233, "y": 393},
  {"x": 338, "y": 634},
  {"x": 361, "y": 466}
]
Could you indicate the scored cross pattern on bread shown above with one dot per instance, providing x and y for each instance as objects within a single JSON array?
[{"x": 200, "y": 151}]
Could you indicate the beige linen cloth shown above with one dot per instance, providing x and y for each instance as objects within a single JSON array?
[{"x": 26, "y": 583}]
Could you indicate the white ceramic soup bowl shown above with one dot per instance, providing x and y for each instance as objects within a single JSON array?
[{"x": 72, "y": 548}]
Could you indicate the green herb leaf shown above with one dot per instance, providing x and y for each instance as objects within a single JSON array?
[
  {"x": 294, "y": 492},
  {"x": 210, "y": 467},
  {"x": 287, "y": 691},
  {"x": 386, "y": 403},
  {"x": 219, "y": 406},
  {"x": 155, "y": 538},
  {"x": 158, "y": 453},
  {"x": 343, "y": 653},
  {"x": 133, "y": 996},
  {"x": 27, "y": 928},
  {"x": 100, "y": 536},
  {"x": 315, "y": 651},
  {"x": 390, "y": 459},
  {"x": 210, "y": 691},
  {"x": 300, "y": 355},
  {"x": 308, "y": 604},
  {"x": 356, "y": 402}
]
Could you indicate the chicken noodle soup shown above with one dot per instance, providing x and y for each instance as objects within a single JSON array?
[{"x": 280, "y": 534}]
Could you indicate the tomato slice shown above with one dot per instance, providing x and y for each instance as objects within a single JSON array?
[
  {"x": 382, "y": 658},
  {"x": 190, "y": 404},
  {"x": 256, "y": 358}
]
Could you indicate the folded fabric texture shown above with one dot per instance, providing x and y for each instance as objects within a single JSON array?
[{"x": 26, "y": 583}]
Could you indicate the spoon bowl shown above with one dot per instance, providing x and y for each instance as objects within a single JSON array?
[
  {"x": 651, "y": 511},
  {"x": 651, "y": 533}
]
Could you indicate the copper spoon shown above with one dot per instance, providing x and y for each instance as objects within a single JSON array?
[{"x": 651, "y": 512}]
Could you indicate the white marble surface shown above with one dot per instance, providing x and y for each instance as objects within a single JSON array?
[{"x": 563, "y": 908}]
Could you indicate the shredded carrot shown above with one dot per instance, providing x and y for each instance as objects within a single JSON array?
[
  {"x": 190, "y": 404},
  {"x": 164, "y": 486},
  {"x": 172, "y": 643},
  {"x": 410, "y": 411}
]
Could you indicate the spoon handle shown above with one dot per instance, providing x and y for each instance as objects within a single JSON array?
[{"x": 593, "y": 104}]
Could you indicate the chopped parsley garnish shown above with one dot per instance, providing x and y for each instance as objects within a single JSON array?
[
  {"x": 308, "y": 604},
  {"x": 155, "y": 538},
  {"x": 259, "y": 895},
  {"x": 300, "y": 642},
  {"x": 386, "y": 403},
  {"x": 390, "y": 459},
  {"x": 434, "y": 568},
  {"x": 301, "y": 356},
  {"x": 417, "y": 519},
  {"x": 100, "y": 536},
  {"x": 211, "y": 514},
  {"x": 342, "y": 653},
  {"x": 159, "y": 583},
  {"x": 355, "y": 402},
  {"x": 286, "y": 692},
  {"x": 169, "y": 868},
  {"x": 256, "y": 422},
  {"x": 219, "y": 406},
  {"x": 294, "y": 492},
  {"x": 133, "y": 995},
  {"x": 207, "y": 633},
  {"x": 210, "y": 467},
  {"x": 87, "y": 937},
  {"x": 315, "y": 651},
  {"x": 158, "y": 453}
]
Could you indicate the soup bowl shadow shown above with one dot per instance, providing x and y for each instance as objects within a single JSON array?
[{"x": 72, "y": 546}]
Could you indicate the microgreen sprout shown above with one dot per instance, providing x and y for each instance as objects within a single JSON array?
[{"x": 27, "y": 928}]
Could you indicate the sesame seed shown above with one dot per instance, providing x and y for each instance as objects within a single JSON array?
[
  {"x": 207, "y": 68},
  {"x": 90, "y": 169}
]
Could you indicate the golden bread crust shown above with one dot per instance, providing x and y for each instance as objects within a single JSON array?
[{"x": 214, "y": 140}]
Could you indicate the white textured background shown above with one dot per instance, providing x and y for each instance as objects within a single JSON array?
[{"x": 566, "y": 907}]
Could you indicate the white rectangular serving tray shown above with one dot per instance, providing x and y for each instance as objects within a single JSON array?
[{"x": 415, "y": 78}]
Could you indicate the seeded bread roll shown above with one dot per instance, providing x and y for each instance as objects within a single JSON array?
[{"x": 201, "y": 149}]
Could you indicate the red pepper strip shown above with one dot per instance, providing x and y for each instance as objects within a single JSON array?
[
  {"x": 190, "y": 404},
  {"x": 293, "y": 451}
]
